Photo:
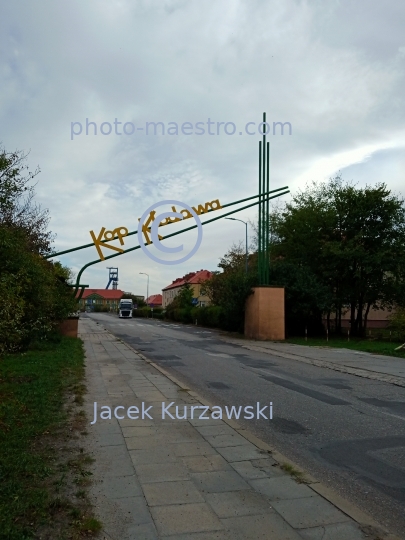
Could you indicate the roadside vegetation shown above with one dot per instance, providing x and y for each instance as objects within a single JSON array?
[
  {"x": 377, "y": 346},
  {"x": 35, "y": 295},
  {"x": 335, "y": 248},
  {"x": 43, "y": 467}
]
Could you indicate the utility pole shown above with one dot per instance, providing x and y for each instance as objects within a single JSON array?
[{"x": 147, "y": 287}]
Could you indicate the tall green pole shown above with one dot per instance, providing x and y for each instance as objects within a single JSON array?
[
  {"x": 268, "y": 218},
  {"x": 260, "y": 214},
  {"x": 263, "y": 233}
]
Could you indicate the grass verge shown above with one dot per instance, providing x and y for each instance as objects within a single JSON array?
[
  {"x": 376, "y": 347},
  {"x": 41, "y": 463}
]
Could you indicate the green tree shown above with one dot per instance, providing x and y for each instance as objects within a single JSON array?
[
  {"x": 17, "y": 206},
  {"x": 135, "y": 299},
  {"x": 180, "y": 307},
  {"x": 351, "y": 240},
  {"x": 34, "y": 292},
  {"x": 397, "y": 323},
  {"x": 184, "y": 299},
  {"x": 230, "y": 288}
]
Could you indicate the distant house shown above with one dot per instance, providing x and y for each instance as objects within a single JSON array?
[
  {"x": 155, "y": 300},
  {"x": 194, "y": 279},
  {"x": 100, "y": 297},
  {"x": 377, "y": 318}
]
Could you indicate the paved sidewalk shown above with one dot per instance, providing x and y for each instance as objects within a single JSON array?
[
  {"x": 389, "y": 369},
  {"x": 188, "y": 479}
]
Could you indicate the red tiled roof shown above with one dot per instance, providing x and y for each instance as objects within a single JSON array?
[
  {"x": 192, "y": 277},
  {"x": 155, "y": 299},
  {"x": 108, "y": 294}
]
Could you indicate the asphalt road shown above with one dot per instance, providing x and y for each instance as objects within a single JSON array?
[{"x": 348, "y": 432}]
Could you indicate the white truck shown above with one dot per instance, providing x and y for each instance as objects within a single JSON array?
[{"x": 125, "y": 308}]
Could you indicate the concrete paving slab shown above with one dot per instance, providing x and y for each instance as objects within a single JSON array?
[
  {"x": 163, "y": 472},
  {"x": 264, "y": 527},
  {"x": 338, "y": 531},
  {"x": 114, "y": 392},
  {"x": 120, "y": 487},
  {"x": 240, "y": 453},
  {"x": 183, "y": 492},
  {"x": 141, "y": 431},
  {"x": 206, "y": 463},
  {"x": 185, "y": 518},
  {"x": 282, "y": 487},
  {"x": 149, "y": 396},
  {"x": 157, "y": 454},
  {"x": 143, "y": 443},
  {"x": 127, "y": 422},
  {"x": 219, "y": 481},
  {"x": 180, "y": 433},
  {"x": 308, "y": 512},
  {"x": 249, "y": 471},
  {"x": 192, "y": 449},
  {"x": 115, "y": 461},
  {"x": 140, "y": 532},
  {"x": 110, "y": 439},
  {"x": 213, "y": 535},
  {"x": 229, "y": 439},
  {"x": 266, "y": 463},
  {"x": 102, "y": 427},
  {"x": 215, "y": 429},
  {"x": 134, "y": 508},
  {"x": 238, "y": 503},
  {"x": 202, "y": 423}
]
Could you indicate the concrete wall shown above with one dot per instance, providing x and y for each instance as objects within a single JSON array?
[
  {"x": 265, "y": 314},
  {"x": 69, "y": 327}
]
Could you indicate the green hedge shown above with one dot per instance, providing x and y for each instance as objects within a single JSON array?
[
  {"x": 211, "y": 316},
  {"x": 146, "y": 312},
  {"x": 208, "y": 316}
]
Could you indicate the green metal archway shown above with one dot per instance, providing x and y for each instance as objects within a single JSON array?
[{"x": 263, "y": 230}]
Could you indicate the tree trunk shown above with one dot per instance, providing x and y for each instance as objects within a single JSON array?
[
  {"x": 359, "y": 318},
  {"x": 353, "y": 317},
  {"x": 366, "y": 317},
  {"x": 339, "y": 320}
]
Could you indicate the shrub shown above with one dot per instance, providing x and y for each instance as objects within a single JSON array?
[
  {"x": 228, "y": 291},
  {"x": 100, "y": 308},
  {"x": 34, "y": 296},
  {"x": 147, "y": 312},
  {"x": 207, "y": 315},
  {"x": 397, "y": 323}
]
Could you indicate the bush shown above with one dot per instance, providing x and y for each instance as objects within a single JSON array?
[
  {"x": 397, "y": 323},
  {"x": 182, "y": 315},
  {"x": 228, "y": 292},
  {"x": 146, "y": 312},
  {"x": 100, "y": 308},
  {"x": 207, "y": 316},
  {"x": 34, "y": 296}
]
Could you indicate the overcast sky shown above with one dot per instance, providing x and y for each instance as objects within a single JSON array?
[{"x": 333, "y": 69}]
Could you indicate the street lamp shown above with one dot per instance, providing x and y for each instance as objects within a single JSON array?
[
  {"x": 241, "y": 220},
  {"x": 147, "y": 287}
]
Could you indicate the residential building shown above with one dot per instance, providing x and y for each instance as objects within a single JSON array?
[
  {"x": 377, "y": 318},
  {"x": 195, "y": 279},
  {"x": 155, "y": 300},
  {"x": 100, "y": 297}
]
